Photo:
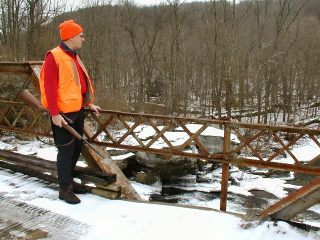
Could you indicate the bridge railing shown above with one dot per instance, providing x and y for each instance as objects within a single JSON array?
[
  {"x": 240, "y": 143},
  {"x": 256, "y": 145}
]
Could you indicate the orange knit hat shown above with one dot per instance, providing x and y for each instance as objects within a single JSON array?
[{"x": 69, "y": 29}]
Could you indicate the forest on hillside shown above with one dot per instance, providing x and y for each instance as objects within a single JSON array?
[{"x": 256, "y": 60}]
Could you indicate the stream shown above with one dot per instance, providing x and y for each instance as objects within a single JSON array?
[{"x": 249, "y": 188}]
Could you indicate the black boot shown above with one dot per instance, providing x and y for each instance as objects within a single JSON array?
[
  {"x": 68, "y": 195},
  {"x": 78, "y": 188}
]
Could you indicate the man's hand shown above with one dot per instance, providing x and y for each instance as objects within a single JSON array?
[
  {"x": 58, "y": 120},
  {"x": 94, "y": 108}
]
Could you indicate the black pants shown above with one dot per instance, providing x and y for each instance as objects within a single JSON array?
[{"x": 69, "y": 147}]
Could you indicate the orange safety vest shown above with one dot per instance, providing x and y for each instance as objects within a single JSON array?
[{"x": 69, "y": 87}]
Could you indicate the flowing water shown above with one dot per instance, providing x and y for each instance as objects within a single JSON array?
[{"x": 249, "y": 189}]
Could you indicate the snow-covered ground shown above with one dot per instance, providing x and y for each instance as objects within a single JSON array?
[{"x": 119, "y": 219}]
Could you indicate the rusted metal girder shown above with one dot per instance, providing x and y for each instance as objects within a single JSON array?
[
  {"x": 35, "y": 119},
  {"x": 295, "y": 203},
  {"x": 225, "y": 170},
  {"x": 231, "y": 157},
  {"x": 31, "y": 68},
  {"x": 15, "y": 67}
]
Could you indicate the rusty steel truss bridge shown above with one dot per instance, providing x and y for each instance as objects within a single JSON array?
[{"x": 259, "y": 145}]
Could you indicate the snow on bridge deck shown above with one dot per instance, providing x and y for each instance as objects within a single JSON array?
[{"x": 30, "y": 209}]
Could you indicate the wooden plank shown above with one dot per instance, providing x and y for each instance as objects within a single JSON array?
[
  {"x": 94, "y": 179},
  {"x": 107, "y": 164},
  {"x": 20, "y": 220},
  {"x": 110, "y": 191},
  {"x": 253, "y": 219},
  {"x": 112, "y": 187},
  {"x": 248, "y": 216},
  {"x": 42, "y": 165},
  {"x": 106, "y": 193}
]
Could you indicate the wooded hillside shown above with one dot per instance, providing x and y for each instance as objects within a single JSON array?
[{"x": 258, "y": 58}]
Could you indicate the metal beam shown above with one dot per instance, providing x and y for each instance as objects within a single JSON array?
[
  {"x": 15, "y": 67},
  {"x": 225, "y": 171},
  {"x": 297, "y": 202}
]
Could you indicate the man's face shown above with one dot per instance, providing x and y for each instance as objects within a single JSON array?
[{"x": 78, "y": 40}]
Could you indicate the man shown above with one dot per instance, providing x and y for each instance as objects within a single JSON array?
[{"x": 66, "y": 87}]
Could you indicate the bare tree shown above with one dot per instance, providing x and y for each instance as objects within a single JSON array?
[
  {"x": 21, "y": 24},
  {"x": 12, "y": 17},
  {"x": 257, "y": 58},
  {"x": 39, "y": 12}
]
